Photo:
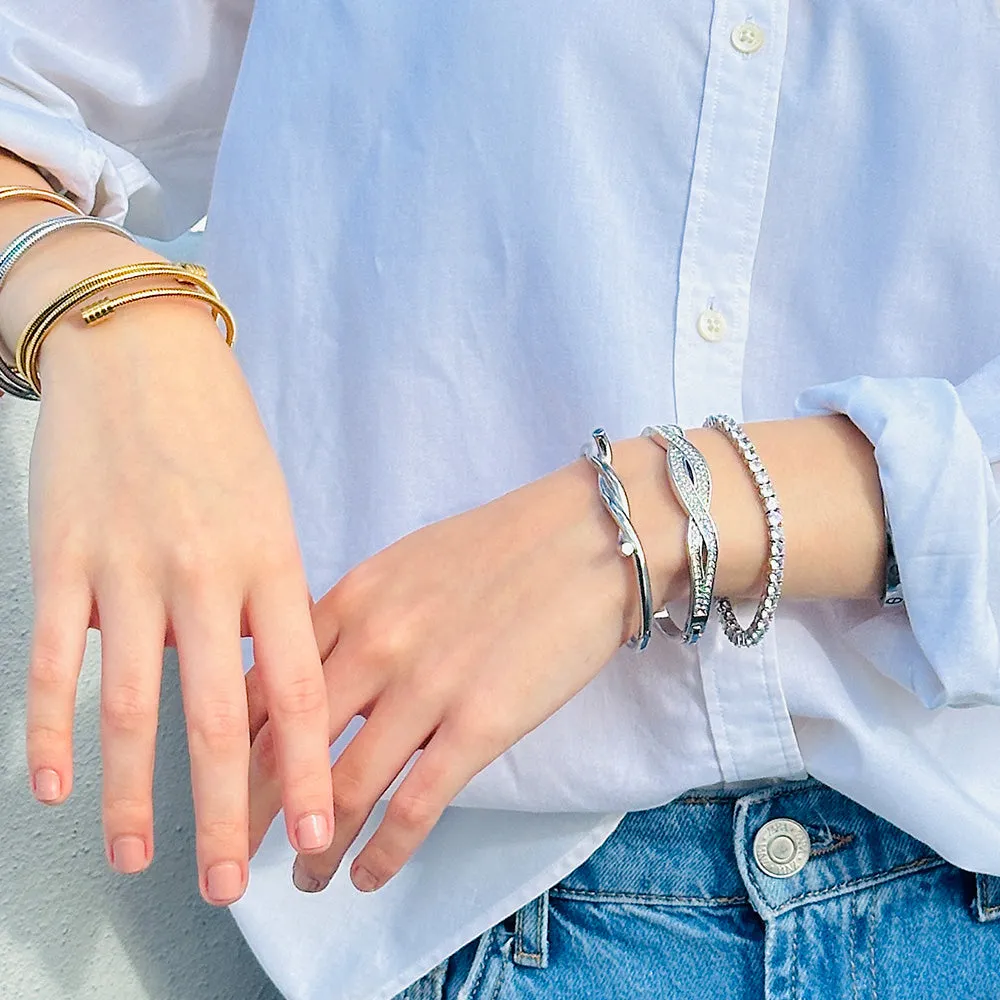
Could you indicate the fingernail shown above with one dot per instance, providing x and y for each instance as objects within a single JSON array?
[
  {"x": 224, "y": 882},
  {"x": 305, "y": 881},
  {"x": 364, "y": 880},
  {"x": 47, "y": 785},
  {"x": 313, "y": 832},
  {"x": 128, "y": 854}
]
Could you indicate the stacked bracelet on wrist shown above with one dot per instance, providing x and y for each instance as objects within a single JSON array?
[
  {"x": 598, "y": 453},
  {"x": 10, "y": 381},
  {"x": 191, "y": 283},
  {"x": 18, "y": 247},
  {"x": 764, "y": 615},
  {"x": 188, "y": 281},
  {"x": 691, "y": 482}
]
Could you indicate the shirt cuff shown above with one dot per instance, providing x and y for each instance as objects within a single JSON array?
[
  {"x": 943, "y": 506},
  {"x": 99, "y": 176}
]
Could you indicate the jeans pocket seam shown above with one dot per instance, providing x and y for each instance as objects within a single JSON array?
[
  {"x": 926, "y": 863},
  {"x": 597, "y": 897}
]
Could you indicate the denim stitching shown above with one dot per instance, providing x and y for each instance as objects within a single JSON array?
[
  {"x": 871, "y": 946},
  {"x": 520, "y": 954},
  {"x": 643, "y": 898},
  {"x": 540, "y": 910},
  {"x": 500, "y": 982},
  {"x": 987, "y": 894},
  {"x": 809, "y": 784},
  {"x": 866, "y": 881},
  {"x": 840, "y": 840},
  {"x": 704, "y": 800},
  {"x": 480, "y": 972},
  {"x": 797, "y": 981},
  {"x": 852, "y": 917},
  {"x": 502, "y": 972}
]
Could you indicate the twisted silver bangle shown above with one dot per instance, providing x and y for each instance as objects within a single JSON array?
[
  {"x": 598, "y": 452},
  {"x": 764, "y": 615},
  {"x": 11, "y": 380},
  {"x": 691, "y": 482}
]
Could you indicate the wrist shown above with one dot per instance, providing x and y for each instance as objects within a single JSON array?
[
  {"x": 658, "y": 520},
  {"x": 661, "y": 524},
  {"x": 62, "y": 260}
]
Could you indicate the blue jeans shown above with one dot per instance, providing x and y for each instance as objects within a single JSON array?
[{"x": 676, "y": 906}]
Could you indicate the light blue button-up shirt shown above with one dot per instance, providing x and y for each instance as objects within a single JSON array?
[{"x": 458, "y": 236}]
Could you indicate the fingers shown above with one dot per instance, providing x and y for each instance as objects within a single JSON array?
[
  {"x": 439, "y": 774},
  {"x": 256, "y": 705},
  {"x": 62, "y": 612},
  {"x": 256, "y": 701},
  {"x": 367, "y": 767},
  {"x": 265, "y": 788},
  {"x": 291, "y": 678},
  {"x": 349, "y": 691},
  {"x": 215, "y": 705},
  {"x": 131, "y": 665}
]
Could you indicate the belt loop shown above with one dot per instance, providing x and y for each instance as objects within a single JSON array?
[
  {"x": 987, "y": 906},
  {"x": 531, "y": 933}
]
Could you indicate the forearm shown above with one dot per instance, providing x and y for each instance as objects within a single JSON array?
[{"x": 824, "y": 473}]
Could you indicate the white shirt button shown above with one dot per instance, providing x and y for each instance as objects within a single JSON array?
[
  {"x": 781, "y": 847},
  {"x": 747, "y": 38},
  {"x": 711, "y": 325}
]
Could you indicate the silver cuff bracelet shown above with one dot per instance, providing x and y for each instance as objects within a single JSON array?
[{"x": 598, "y": 452}]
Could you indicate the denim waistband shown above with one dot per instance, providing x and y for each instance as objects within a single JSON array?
[{"x": 698, "y": 850}]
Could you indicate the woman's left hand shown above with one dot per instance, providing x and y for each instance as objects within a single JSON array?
[{"x": 457, "y": 640}]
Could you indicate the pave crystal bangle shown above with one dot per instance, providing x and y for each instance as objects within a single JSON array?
[
  {"x": 691, "y": 483},
  {"x": 764, "y": 614},
  {"x": 598, "y": 452}
]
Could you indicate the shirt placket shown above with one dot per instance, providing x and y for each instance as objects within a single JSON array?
[{"x": 750, "y": 723}]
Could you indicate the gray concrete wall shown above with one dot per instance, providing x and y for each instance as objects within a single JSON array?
[{"x": 69, "y": 927}]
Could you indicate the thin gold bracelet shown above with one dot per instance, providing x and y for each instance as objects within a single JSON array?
[
  {"x": 37, "y": 194},
  {"x": 30, "y": 342},
  {"x": 103, "y": 308}
]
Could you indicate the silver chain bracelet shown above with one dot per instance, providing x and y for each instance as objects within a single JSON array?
[
  {"x": 764, "y": 614},
  {"x": 598, "y": 452}
]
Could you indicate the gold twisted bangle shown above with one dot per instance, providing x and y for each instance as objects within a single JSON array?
[
  {"x": 31, "y": 340},
  {"x": 36, "y": 194}
]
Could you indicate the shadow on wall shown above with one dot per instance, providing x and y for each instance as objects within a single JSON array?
[{"x": 70, "y": 928}]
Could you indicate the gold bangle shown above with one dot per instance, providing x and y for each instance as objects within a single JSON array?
[
  {"x": 103, "y": 308},
  {"x": 30, "y": 342},
  {"x": 36, "y": 194}
]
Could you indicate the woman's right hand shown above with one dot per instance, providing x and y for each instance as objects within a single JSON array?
[{"x": 158, "y": 512}]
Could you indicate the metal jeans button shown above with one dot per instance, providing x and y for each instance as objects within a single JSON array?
[{"x": 781, "y": 847}]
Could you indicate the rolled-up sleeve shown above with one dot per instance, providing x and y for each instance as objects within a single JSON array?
[
  {"x": 122, "y": 103},
  {"x": 934, "y": 445}
]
